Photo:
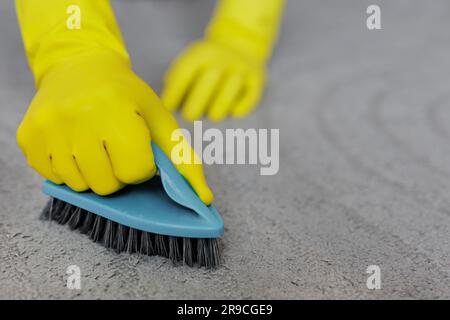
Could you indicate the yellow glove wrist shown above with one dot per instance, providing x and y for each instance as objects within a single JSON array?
[
  {"x": 249, "y": 26},
  {"x": 49, "y": 39}
]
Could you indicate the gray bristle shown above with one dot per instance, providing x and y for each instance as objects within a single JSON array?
[
  {"x": 109, "y": 236},
  {"x": 120, "y": 238},
  {"x": 93, "y": 232},
  {"x": 188, "y": 251},
  {"x": 160, "y": 245},
  {"x": 76, "y": 219},
  {"x": 174, "y": 249},
  {"x": 121, "y": 235},
  {"x": 146, "y": 244},
  {"x": 87, "y": 223},
  {"x": 132, "y": 243},
  {"x": 65, "y": 214}
]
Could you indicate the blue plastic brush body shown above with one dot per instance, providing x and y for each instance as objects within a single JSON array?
[{"x": 166, "y": 206}]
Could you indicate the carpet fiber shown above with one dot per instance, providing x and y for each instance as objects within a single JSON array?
[{"x": 364, "y": 178}]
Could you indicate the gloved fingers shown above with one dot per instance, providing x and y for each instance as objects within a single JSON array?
[
  {"x": 65, "y": 166},
  {"x": 201, "y": 93},
  {"x": 226, "y": 97},
  {"x": 95, "y": 166},
  {"x": 177, "y": 81},
  {"x": 251, "y": 96},
  {"x": 129, "y": 149},
  {"x": 38, "y": 156},
  {"x": 43, "y": 165},
  {"x": 194, "y": 174},
  {"x": 162, "y": 128}
]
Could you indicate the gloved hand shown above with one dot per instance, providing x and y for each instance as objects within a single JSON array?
[
  {"x": 92, "y": 129},
  {"x": 224, "y": 73},
  {"x": 215, "y": 80},
  {"x": 92, "y": 118}
]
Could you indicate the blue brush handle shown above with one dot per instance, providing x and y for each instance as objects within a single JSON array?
[
  {"x": 176, "y": 186},
  {"x": 170, "y": 208}
]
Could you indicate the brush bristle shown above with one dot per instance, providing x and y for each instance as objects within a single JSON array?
[{"x": 120, "y": 238}]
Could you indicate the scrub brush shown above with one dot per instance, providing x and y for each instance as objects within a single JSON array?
[{"x": 163, "y": 216}]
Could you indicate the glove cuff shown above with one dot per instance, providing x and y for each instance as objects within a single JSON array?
[
  {"x": 250, "y": 26},
  {"x": 49, "y": 38},
  {"x": 235, "y": 36}
]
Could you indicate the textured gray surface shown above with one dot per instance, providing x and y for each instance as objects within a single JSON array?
[{"x": 364, "y": 166}]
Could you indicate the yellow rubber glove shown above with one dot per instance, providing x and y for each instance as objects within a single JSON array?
[
  {"x": 225, "y": 73},
  {"x": 90, "y": 122}
]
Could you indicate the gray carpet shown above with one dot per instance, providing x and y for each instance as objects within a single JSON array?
[{"x": 364, "y": 164}]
